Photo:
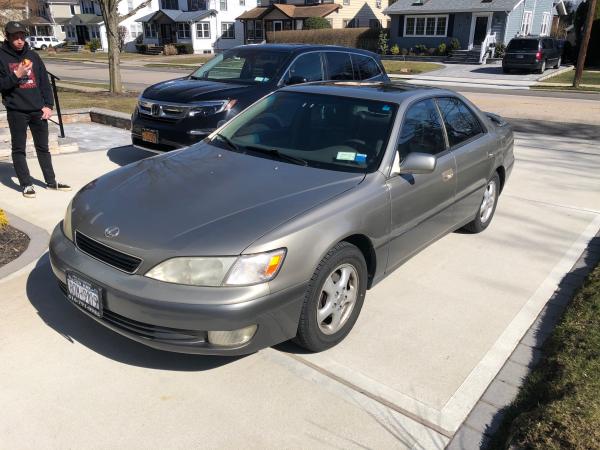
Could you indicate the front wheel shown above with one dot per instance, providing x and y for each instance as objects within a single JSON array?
[
  {"x": 43, "y": 47},
  {"x": 333, "y": 299},
  {"x": 487, "y": 207}
]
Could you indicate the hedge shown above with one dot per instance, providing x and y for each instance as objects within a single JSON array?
[{"x": 348, "y": 37}]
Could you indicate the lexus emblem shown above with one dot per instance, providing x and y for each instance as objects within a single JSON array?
[{"x": 112, "y": 232}]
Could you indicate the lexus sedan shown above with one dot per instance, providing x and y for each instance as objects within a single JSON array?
[{"x": 276, "y": 225}]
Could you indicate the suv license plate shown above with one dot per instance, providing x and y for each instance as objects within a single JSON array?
[{"x": 150, "y": 136}]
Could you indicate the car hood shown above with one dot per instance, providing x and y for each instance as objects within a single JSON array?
[
  {"x": 186, "y": 90},
  {"x": 202, "y": 200}
]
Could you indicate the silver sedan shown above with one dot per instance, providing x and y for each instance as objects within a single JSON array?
[{"x": 276, "y": 225}]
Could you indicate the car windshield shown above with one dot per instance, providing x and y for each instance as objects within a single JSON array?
[
  {"x": 243, "y": 65},
  {"x": 523, "y": 44},
  {"x": 323, "y": 131}
]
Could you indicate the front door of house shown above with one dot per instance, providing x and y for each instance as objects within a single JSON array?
[
  {"x": 167, "y": 34},
  {"x": 83, "y": 35},
  {"x": 481, "y": 25},
  {"x": 277, "y": 25}
]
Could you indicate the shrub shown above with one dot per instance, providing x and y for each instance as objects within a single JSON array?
[
  {"x": 420, "y": 49},
  {"x": 141, "y": 48},
  {"x": 3, "y": 219},
  {"x": 382, "y": 42},
  {"x": 169, "y": 50},
  {"x": 366, "y": 38},
  {"x": 93, "y": 45},
  {"x": 454, "y": 44},
  {"x": 500, "y": 50},
  {"x": 316, "y": 23},
  {"x": 395, "y": 50},
  {"x": 442, "y": 49},
  {"x": 185, "y": 49},
  {"x": 431, "y": 51}
]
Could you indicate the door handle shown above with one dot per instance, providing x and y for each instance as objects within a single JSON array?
[
  {"x": 493, "y": 155},
  {"x": 447, "y": 175}
]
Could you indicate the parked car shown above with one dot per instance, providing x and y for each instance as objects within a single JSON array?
[
  {"x": 181, "y": 112},
  {"x": 532, "y": 53},
  {"x": 43, "y": 42},
  {"x": 275, "y": 225}
]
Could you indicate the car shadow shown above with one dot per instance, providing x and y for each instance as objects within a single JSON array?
[
  {"x": 127, "y": 154},
  {"x": 489, "y": 70},
  {"x": 56, "y": 311}
]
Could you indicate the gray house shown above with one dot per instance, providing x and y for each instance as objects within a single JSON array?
[{"x": 477, "y": 24}]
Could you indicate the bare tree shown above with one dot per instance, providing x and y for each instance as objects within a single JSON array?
[
  {"x": 11, "y": 10},
  {"x": 112, "y": 19}
]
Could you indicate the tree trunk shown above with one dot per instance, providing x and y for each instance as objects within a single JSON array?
[
  {"x": 584, "y": 43},
  {"x": 114, "y": 56}
]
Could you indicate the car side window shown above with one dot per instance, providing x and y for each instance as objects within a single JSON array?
[
  {"x": 547, "y": 44},
  {"x": 421, "y": 130},
  {"x": 461, "y": 123},
  {"x": 339, "y": 66},
  {"x": 365, "y": 67},
  {"x": 307, "y": 66}
]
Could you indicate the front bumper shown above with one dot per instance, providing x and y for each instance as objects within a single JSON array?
[{"x": 137, "y": 307}]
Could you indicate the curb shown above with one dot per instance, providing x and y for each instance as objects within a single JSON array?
[
  {"x": 558, "y": 72},
  {"x": 38, "y": 245}
]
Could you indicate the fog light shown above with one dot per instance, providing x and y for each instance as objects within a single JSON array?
[{"x": 230, "y": 338}]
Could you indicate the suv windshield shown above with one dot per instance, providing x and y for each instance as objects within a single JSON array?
[
  {"x": 523, "y": 44},
  {"x": 324, "y": 131},
  {"x": 243, "y": 65}
]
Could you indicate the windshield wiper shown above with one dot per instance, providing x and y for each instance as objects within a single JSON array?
[
  {"x": 228, "y": 142},
  {"x": 278, "y": 154}
]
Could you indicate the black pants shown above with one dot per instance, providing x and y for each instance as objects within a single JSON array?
[{"x": 18, "y": 123}]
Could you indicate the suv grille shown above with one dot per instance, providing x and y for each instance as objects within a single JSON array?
[
  {"x": 107, "y": 255},
  {"x": 162, "y": 111}
]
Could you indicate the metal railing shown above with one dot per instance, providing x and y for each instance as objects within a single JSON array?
[
  {"x": 53, "y": 79},
  {"x": 489, "y": 40}
]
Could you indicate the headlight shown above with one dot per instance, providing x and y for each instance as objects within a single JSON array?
[
  {"x": 67, "y": 227},
  {"x": 219, "y": 271},
  {"x": 211, "y": 107}
]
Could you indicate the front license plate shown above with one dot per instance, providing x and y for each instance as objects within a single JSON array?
[
  {"x": 84, "y": 294},
  {"x": 150, "y": 136}
]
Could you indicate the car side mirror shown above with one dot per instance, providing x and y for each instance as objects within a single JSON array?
[
  {"x": 296, "y": 80},
  {"x": 415, "y": 164}
]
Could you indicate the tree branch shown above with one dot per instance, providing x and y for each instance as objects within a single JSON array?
[{"x": 134, "y": 10}]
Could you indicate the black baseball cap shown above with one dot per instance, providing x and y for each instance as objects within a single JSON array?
[{"x": 15, "y": 27}]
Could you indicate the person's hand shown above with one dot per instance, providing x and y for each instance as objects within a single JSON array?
[
  {"x": 46, "y": 113},
  {"x": 23, "y": 68}
]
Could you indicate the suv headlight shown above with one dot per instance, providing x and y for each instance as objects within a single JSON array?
[
  {"x": 211, "y": 107},
  {"x": 220, "y": 271},
  {"x": 66, "y": 225}
]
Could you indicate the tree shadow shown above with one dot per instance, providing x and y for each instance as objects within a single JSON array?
[{"x": 56, "y": 311}]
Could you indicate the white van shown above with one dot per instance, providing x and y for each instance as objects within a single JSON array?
[{"x": 43, "y": 42}]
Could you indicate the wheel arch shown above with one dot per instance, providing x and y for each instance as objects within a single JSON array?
[{"x": 364, "y": 244}]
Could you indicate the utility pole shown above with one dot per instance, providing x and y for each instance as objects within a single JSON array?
[{"x": 587, "y": 31}]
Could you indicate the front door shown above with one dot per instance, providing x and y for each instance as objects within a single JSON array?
[
  {"x": 481, "y": 25},
  {"x": 167, "y": 34},
  {"x": 422, "y": 204},
  {"x": 83, "y": 35},
  {"x": 277, "y": 25}
]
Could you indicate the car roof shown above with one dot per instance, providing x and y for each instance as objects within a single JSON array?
[
  {"x": 301, "y": 48},
  {"x": 379, "y": 91}
]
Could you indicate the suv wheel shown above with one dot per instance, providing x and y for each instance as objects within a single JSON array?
[
  {"x": 43, "y": 47},
  {"x": 557, "y": 66},
  {"x": 543, "y": 68}
]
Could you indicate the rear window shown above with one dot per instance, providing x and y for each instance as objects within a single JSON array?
[
  {"x": 339, "y": 66},
  {"x": 365, "y": 66},
  {"x": 523, "y": 44}
]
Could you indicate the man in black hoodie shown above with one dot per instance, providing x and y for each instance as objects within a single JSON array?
[{"x": 27, "y": 96}]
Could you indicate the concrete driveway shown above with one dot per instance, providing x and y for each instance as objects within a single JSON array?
[
  {"x": 429, "y": 340},
  {"x": 489, "y": 71}
]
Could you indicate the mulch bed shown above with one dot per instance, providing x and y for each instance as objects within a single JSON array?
[{"x": 12, "y": 244}]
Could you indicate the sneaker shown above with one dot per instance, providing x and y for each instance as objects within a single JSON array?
[
  {"x": 58, "y": 186},
  {"x": 29, "y": 191}
]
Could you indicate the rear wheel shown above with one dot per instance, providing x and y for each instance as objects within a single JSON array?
[
  {"x": 543, "y": 68},
  {"x": 487, "y": 207},
  {"x": 558, "y": 62},
  {"x": 333, "y": 299},
  {"x": 44, "y": 47}
]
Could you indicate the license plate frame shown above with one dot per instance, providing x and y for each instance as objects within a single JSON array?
[
  {"x": 150, "y": 136},
  {"x": 84, "y": 294},
  {"x": 520, "y": 56}
]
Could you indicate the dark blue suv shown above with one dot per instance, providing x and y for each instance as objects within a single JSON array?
[{"x": 181, "y": 112}]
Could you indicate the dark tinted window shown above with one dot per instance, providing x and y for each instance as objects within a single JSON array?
[
  {"x": 308, "y": 67},
  {"x": 548, "y": 43},
  {"x": 422, "y": 130},
  {"x": 365, "y": 67},
  {"x": 523, "y": 44},
  {"x": 461, "y": 123},
  {"x": 339, "y": 66}
]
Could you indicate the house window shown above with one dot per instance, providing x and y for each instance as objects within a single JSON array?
[
  {"x": 196, "y": 5},
  {"x": 129, "y": 5},
  {"x": 545, "y": 30},
  {"x": 227, "y": 30},
  {"x": 242, "y": 2},
  {"x": 150, "y": 30},
  {"x": 183, "y": 31},
  {"x": 62, "y": 28},
  {"x": 526, "y": 24},
  {"x": 73, "y": 9},
  {"x": 250, "y": 29},
  {"x": 223, "y": 5},
  {"x": 258, "y": 28},
  {"x": 378, "y": 4},
  {"x": 346, "y": 2},
  {"x": 169, "y": 4},
  {"x": 203, "y": 30},
  {"x": 426, "y": 26}
]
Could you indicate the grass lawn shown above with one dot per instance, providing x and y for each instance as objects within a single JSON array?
[
  {"x": 558, "y": 406},
  {"x": 589, "y": 77},
  {"x": 409, "y": 67},
  {"x": 565, "y": 88},
  {"x": 117, "y": 102}
]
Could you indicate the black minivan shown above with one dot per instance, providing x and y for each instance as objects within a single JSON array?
[
  {"x": 532, "y": 53},
  {"x": 181, "y": 112}
]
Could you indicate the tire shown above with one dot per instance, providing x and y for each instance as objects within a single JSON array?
[
  {"x": 558, "y": 63},
  {"x": 320, "y": 332},
  {"x": 484, "y": 214},
  {"x": 543, "y": 68},
  {"x": 43, "y": 47}
]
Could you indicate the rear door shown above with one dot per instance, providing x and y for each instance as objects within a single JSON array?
[{"x": 550, "y": 51}]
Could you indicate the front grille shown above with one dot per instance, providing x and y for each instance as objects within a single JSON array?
[
  {"x": 106, "y": 254},
  {"x": 162, "y": 111}
]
